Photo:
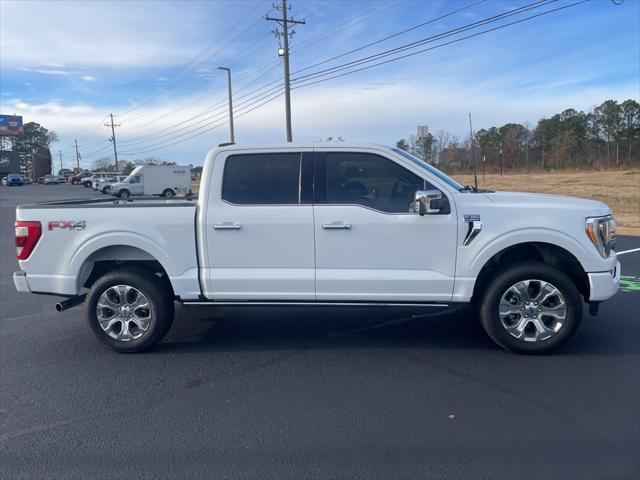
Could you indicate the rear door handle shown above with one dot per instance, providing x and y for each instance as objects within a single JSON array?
[
  {"x": 336, "y": 226},
  {"x": 227, "y": 226}
]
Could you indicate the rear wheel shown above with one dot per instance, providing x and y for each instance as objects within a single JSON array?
[
  {"x": 129, "y": 310},
  {"x": 531, "y": 308},
  {"x": 168, "y": 193}
]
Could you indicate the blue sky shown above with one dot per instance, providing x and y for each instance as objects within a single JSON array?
[{"x": 154, "y": 65}]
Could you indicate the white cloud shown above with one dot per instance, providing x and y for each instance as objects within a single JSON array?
[
  {"x": 52, "y": 65},
  {"x": 88, "y": 78},
  {"x": 53, "y": 72}
]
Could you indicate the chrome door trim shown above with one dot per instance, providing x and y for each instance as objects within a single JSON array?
[{"x": 309, "y": 303}]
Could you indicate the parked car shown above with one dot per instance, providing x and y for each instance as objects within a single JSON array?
[
  {"x": 154, "y": 180},
  {"x": 50, "y": 180},
  {"x": 40, "y": 181},
  {"x": 105, "y": 186},
  {"x": 77, "y": 179},
  {"x": 312, "y": 224},
  {"x": 14, "y": 179},
  {"x": 97, "y": 176},
  {"x": 61, "y": 179}
]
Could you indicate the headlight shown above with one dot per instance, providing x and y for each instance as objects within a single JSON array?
[{"x": 602, "y": 233}]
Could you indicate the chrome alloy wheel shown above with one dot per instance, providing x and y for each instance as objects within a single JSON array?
[
  {"x": 532, "y": 310},
  {"x": 124, "y": 313}
]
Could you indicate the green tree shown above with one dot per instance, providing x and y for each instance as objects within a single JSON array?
[{"x": 33, "y": 149}]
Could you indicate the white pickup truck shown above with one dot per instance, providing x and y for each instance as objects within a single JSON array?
[{"x": 309, "y": 224}]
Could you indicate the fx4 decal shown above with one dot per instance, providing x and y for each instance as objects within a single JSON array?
[{"x": 67, "y": 225}]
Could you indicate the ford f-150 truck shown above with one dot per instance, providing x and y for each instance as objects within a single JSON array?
[{"x": 309, "y": 224}]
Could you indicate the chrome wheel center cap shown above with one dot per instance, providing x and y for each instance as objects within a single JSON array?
[{"x": 531, "y": 310}]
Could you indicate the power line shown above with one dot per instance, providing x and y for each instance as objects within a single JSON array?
[
  {"x": 354, "y": 20},
  {"x": 389, "y": 37},
  {"x": 195, "y": 62},
  {"x": 252, "y": 106},
  {"x": 442, "y": 44},
  {"x": 153, "y": 138},
  {"x": 260, "y": 73},
  {"x": 429, "y": 39},
  {"x": 205, "y": 128},
  {"x": 277, "y": 95},
  {"x": 188, "y": 85}
]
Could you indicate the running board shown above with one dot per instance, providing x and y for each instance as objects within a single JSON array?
[{"x": 190, "y": 303}]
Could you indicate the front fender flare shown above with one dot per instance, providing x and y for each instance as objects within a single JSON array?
[{"x": 587, "y": 260}]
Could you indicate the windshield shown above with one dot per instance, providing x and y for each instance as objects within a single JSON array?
[{"x": 421, "y": 163}]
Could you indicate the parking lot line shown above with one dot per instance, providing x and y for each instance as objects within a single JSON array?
[{"x": 628, "y": 251}]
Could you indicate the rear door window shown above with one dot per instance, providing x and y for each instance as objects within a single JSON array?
[{"x": 263, "y": 179}]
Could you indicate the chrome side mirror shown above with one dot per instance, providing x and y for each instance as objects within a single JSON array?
[{"x": 422, "y": 203}]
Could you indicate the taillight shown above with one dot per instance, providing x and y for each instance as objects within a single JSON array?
[{"x": 27, "y": 236}]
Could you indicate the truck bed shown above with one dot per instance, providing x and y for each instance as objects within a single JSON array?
[{"x": 77, "y": 234}]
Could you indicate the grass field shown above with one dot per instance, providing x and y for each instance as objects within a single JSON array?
[{"x": 618, "y": 189}]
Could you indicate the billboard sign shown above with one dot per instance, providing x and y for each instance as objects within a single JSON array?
[
  {"x": 9, "y": 162},
  {"x": 10, "y": 125}
]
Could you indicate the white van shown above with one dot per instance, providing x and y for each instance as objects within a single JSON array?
[{"x": 167, "y": 181}]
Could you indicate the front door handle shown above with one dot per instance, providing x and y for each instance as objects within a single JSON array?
[
  {"x": 227, "y": 226},
  {"x": 336, "y": 226}
]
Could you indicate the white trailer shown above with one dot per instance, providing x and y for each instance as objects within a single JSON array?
[{"x": 166, "y": 181}]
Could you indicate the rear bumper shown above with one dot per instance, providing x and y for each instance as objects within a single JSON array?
[
  {"x": 21, "y": 282},
  {"x": 604, "y": 285},
  {"x": 64, "y": 285}
]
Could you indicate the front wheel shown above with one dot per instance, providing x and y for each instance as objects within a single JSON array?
[
  {"x": 124, "y": 194},
  {"x": 129, "y": 310},
  {"x": 168, "y": 193},
  {"x": 531, "y": 307}
]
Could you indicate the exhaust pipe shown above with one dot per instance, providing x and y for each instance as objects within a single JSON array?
[{"x": 70, "y": 302}]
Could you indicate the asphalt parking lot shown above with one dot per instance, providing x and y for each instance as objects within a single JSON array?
[{"x": 273, "y": 393}]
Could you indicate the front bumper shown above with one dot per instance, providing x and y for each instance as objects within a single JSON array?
[
  {"x": 21, "y": 282},
  {"x": 604, "y": 285}
]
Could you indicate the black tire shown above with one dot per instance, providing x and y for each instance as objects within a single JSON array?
[
  {"x": 87, "y": 184},
  {"x": 106, "y": 190},
  {"x": 503, "y": 279},
  {"x": 168, "y": 193},
  {"x": 161, "y": 307},
  {"x": 124, "y": 194}
]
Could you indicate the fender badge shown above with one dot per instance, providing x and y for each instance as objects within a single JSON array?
[
  {"x": 471, "y": 218},
  {"x": 67, "y": 225}
]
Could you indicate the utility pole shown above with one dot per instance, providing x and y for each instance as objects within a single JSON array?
[
  {"x": 285, "y": 22},
  {"x": 231, "y": 133},
  {"x": 75, "y": 142},
  {"x": 60, "y": 153},
  {"x": 473, "y": 156},
  {"x": 113, "y": 138}
]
